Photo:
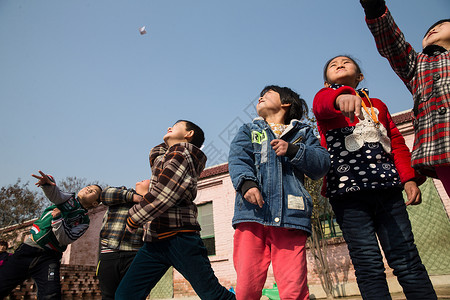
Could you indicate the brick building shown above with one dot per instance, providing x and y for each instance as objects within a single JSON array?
[{"x": 215, "y": 201}]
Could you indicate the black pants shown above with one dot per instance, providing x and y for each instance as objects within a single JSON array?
[
  {"x": 187, "y": 254},
  {"x": 371, "y": 217},
  {"x": 41, "y": 265},
  {"x": 111, "y": 269}
]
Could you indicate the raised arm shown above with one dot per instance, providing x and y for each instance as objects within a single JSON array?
[
  {"x": 373, "y": 8},
  {"x": 173, "y": 181},
  {"x": 157, "y": 153},
  {"x": 51, "y": 191},
  {"x": 389, "y": 39},
  {"x": 118, "y": 195}
]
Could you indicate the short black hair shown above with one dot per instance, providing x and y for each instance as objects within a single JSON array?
[
  {"x": 325, "y": 68},
  {"x": 436, "y": 24},
  {"x": 101, "y": 190},
  {"x": 199, "y": 136},
  {"x": 287, "y": 96}
]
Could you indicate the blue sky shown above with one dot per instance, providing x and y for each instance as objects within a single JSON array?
[{"x": 83, "y": 94}]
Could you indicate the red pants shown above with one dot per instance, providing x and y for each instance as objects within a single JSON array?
[{"x": 255, "y": 246}]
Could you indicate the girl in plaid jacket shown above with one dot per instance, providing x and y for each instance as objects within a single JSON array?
[{"x": 427, "y": 77}]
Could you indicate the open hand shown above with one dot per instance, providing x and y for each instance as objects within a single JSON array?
[{"x": 43, "y": 179}]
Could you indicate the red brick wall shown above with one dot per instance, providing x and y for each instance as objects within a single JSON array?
[{"x": 77, "y": 282}]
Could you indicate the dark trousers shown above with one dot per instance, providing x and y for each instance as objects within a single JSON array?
[
  {"x": 41, "y": 265},
  {"x": 111, "y": 269},
  {"x": 364, "y": 216},
  {"x": 186, "y": 253}
]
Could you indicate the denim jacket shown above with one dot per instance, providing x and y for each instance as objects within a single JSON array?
[{"x": 279, "y": 178}]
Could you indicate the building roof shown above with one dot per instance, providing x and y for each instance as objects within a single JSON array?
[
  {"x": 402, "y": 117},
  {"x": 214, "y": 170}
]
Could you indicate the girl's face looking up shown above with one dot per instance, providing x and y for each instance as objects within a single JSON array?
[
  {"x": 343, "y": 70},
  {"x": 269, "y": 103},
  {"x": 439, "y": 35}
]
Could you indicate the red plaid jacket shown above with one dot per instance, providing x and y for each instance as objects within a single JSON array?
[
  {"x": 427, "y": 77},
  {"x": 169, "y": 205}
]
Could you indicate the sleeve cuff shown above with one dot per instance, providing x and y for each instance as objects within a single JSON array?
[
  {"x": 248, "y": 184},
  {"x": 132, "y": 224},
  {"x": 292, "y": 150}
]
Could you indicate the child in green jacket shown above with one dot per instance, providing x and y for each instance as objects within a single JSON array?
[{"x": 59, "y": 225}]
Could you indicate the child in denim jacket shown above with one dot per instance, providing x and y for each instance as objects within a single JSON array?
[{"x": 268, "y": 161}]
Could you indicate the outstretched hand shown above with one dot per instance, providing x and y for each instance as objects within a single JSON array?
[
  {"x": 364, "y": 3},
  {"x": 350, "y": 106},
  {"x": 371, "y": 3},
  {"x": 373, "y": 8},
  {"x": 43, "y": 179}
]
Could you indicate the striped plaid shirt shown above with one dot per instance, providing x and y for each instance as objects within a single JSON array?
[
  {"x": 113, "y": 235},
  {"x": 427, "y": 76},
  {"x": 169, "y": 205}
]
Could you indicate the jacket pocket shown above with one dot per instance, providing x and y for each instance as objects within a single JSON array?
[{"x": 298, "y": 203}]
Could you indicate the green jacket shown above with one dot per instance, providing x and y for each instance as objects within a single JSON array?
[{"x": 56, "y": 234}]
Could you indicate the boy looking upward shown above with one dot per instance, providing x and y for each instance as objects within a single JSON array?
[
  {"x": 59, "y": 225},
  {"x": 169, "y": 217}
]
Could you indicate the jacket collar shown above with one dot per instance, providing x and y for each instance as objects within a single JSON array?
[
  {"x": 359, "y": 91},
  {"x": 433, "y": 50},
  {"x": 261, "y": 122}
]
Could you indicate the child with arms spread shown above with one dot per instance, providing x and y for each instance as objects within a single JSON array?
[{"x": 59, "y": 225}]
